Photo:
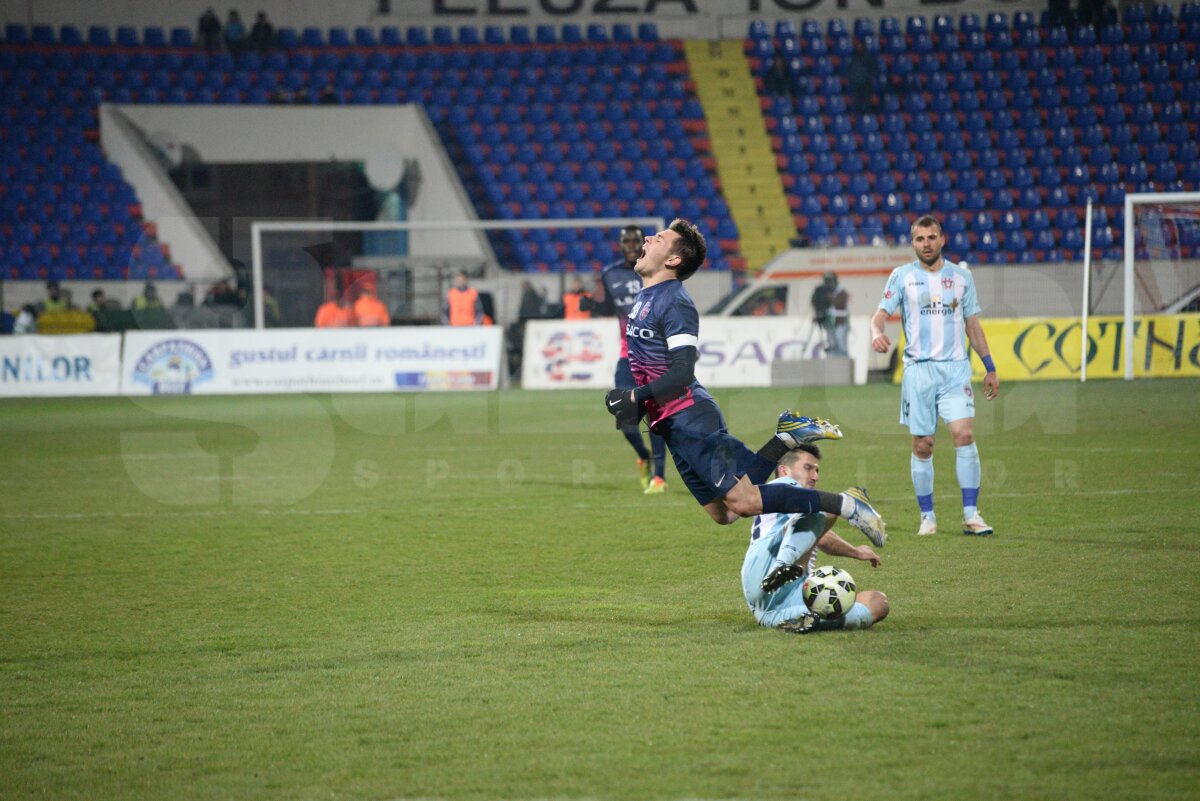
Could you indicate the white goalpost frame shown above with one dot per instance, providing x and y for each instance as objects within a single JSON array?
[
  {"x": 259, "y": 227},
  {"x": 1087, "y": 288},
  {"x": 1129, "y": 245}
]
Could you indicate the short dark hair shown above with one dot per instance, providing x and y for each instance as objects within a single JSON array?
[
  {"x": 792, "y": 456},
  {"x": 926, "y": 221},
  {"x": 633, "y": 229},
  {"x": 690, "y": 247}
]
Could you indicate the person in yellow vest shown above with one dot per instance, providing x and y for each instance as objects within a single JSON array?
[
  {"x": 572, "y": 299},
  {"x": 55, "y": 301},
  {"x": 370, "y": 310},
  {"x": 148, "y": 299},
  {"x": 335, "y": 313},
  {"x": 463, "y": 306}
]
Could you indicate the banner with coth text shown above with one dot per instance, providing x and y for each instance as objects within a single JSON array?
[
  {"x": 233, "y": 362},
  {"x": 733, "y": 351},
  {"x": 1164, "y": 346},
  {"x": 1031, "y": 349}
]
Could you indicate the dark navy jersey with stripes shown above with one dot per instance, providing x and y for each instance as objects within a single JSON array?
[
  {"x": 621, "y": 287},
  {"x": 662, "y": 319}
]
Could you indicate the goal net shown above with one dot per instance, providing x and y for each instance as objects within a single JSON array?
[
  {"x": 1146, "y": 262},
  {"x": 299, "y": 264}
]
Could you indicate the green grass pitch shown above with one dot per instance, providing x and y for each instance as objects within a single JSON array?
[{"x": 467, "y": 597}]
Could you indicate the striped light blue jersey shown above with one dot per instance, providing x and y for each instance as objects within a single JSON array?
[
  {"x": 773, "y": 525},
  {"x": 934, "y": 307}
]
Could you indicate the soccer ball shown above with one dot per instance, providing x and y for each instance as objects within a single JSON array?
[{"x": 829, "y": 592}]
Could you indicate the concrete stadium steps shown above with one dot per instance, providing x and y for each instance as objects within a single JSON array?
[{"x": 742, "y": 149}]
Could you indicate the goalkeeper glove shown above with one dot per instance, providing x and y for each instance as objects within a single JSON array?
[{"x": 623, "y": 407}]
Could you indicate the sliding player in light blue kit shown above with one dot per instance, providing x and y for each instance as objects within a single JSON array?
[
  {"x": 783, "y": 552},
  {"x": 939, "y": 312}
]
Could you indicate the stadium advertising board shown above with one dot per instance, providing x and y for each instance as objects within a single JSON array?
[
  {"x": 1025, "y": 349},
  {"x": 734, "y": 351},
  {"x": 60, "y": 366},
  {"x": 1165, "y": 346},
  {"x": 287, "y": 360}
]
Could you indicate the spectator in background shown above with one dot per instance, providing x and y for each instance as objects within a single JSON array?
[
  {"x": 1058, "y": 12},
  {"x": 329, "y": 96},
  {"x": 148, "y": 299},
  {"x": 463, "y": 306},
  {"x": 830, "y": 303},
  {"x": 208, "y": 31},
  {"x": 100, "y": 302},
  {"x": 776, "y": 80},
  {"x": 26, "y": 322},
  {"x": 862, "y": 74},
  {"x": 370, "y": 310},
  {"x": 533, "y": 303},
  {"x": 222, "y": 294},
  {"x": 262, "y": 35},
  {"x": 235, "y": 32},
  {"x": 272, "y": 315},
  {"x": 839, "y": 332},
  {"x": 335, "y": 313},
  {"x": 572, "y": 299},
  {"x": 55, "y": 301}
]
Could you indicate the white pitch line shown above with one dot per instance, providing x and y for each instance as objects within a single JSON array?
[{"x": 240, "y": 511}]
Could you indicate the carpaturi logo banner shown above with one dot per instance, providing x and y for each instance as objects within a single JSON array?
[{"x": 311, "y": 360}]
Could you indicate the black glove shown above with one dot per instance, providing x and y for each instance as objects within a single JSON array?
[{"x": 621, "y": 406}]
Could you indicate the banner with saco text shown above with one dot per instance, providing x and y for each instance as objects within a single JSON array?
[
  {"x": 233, "y": 362},
  {"x": 733, "y": 351}
]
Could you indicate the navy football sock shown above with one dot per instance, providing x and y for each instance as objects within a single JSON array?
[
  {"x": 790, "y": 499},
  {"x": 659, "y": 448},
  {"x": 634, "y": 435}
]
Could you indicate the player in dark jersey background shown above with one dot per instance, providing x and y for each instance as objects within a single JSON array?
[
  {"x": 726, "y": 478},
  {"x": 621, "y": 286}
]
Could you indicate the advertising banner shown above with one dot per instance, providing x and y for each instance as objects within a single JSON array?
[
  {"x": 1164, "y": 346},
  {"x": 570, "y": 354},
  {"x": 1044, "y": 348},
  {"x": 237, "y": 362},
  {"x": 68, "y": 365},
  {"x": 734, "y": 351}
]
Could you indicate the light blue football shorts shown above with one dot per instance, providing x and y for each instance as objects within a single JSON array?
[{"x": 930, "y": 390}]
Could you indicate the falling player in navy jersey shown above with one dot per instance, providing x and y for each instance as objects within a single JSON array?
[
  {"x": 725, "y": 477},
  {"x": 621, "y": 286}
]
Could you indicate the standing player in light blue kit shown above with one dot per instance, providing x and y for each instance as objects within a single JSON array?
[
  {"x": 939, "y": 312},
  {"x": 723, "y": 475}
]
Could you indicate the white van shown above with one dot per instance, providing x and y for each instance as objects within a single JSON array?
[{"x": 786, "y": 284}]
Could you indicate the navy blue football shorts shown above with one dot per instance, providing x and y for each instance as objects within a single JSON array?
[{"x": 709, "y": 459}]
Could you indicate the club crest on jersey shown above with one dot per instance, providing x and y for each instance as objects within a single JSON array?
[
  {"x": 948, "y": 283},
  {"x": 642, "y": 314}
]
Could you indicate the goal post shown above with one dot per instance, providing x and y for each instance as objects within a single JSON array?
[
  {"x": 1174, "y": 208},
  {"x": 259, "y": 228},
  {"x": 1153, "y": 268}
]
